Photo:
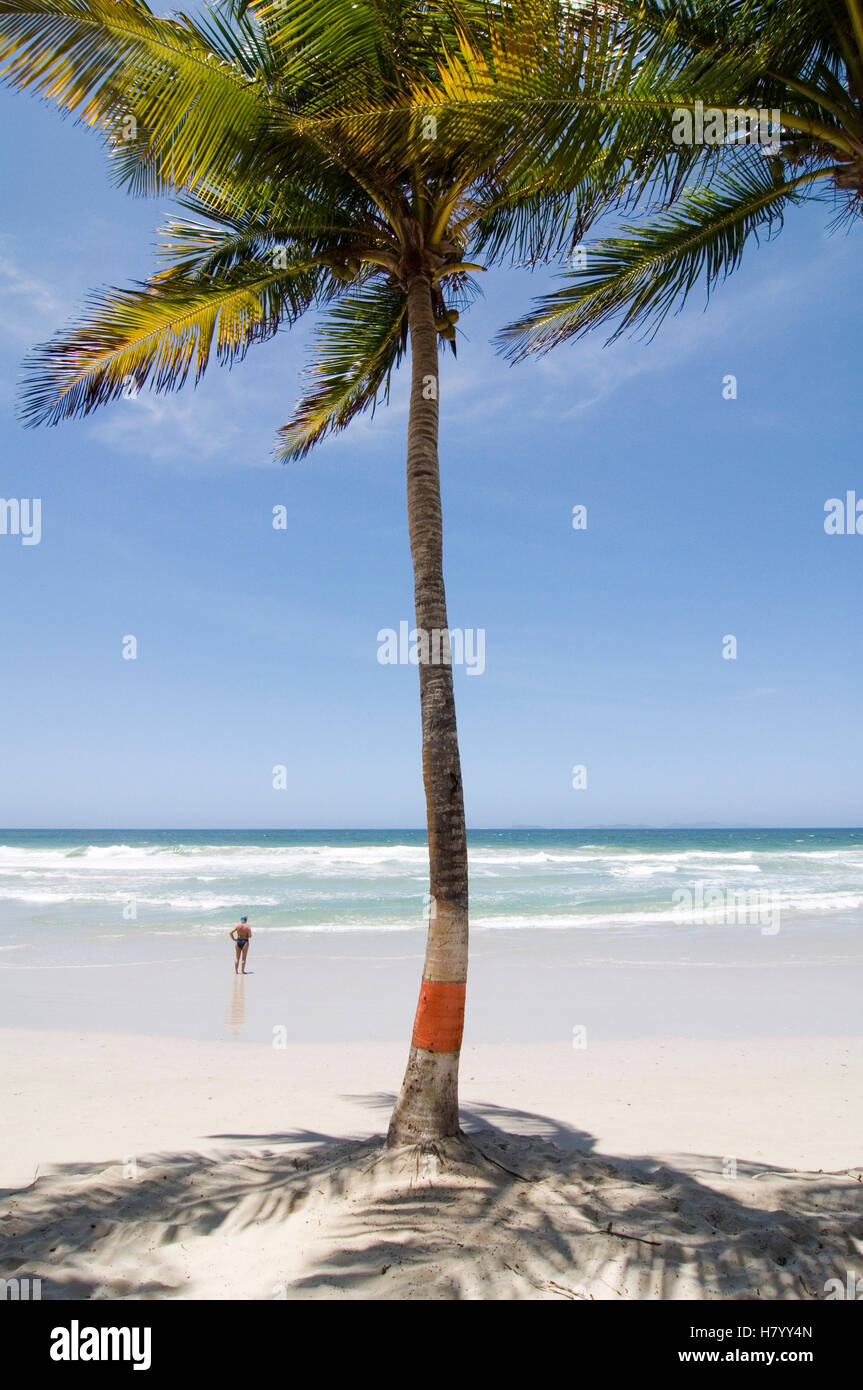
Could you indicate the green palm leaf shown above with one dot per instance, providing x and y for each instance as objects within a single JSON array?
[
  {"x": 159, "y": 335},
  {"x": 157, "y": 87},
  {"x": 359, "y": 344},
  {"x": 640, "y": 276}
]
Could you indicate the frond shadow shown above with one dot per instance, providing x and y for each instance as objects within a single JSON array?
[{"x": 523, "y": 1207}]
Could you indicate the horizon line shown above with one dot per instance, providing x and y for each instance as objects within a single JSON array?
[{"x": 401, "y": 829}]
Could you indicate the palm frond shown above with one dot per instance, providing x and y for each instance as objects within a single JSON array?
[
  {"x": 640, "y": 276},
  {"x": 166, "y": 100},
  {"x": 359, "y": 344},
  {"x": 190, "y": 248},
  {"x": 158, "y": 335}
]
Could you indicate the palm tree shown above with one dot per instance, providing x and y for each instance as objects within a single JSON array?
[
  {"x": 798, "y": 60},
  {"x": 343, "y": 156}
]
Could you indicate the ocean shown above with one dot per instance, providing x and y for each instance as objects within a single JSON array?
[{"x": 106, "y": 885}]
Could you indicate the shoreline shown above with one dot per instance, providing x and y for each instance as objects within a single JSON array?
[{"x": 523, "y": 987}]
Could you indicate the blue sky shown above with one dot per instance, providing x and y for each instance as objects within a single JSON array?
[{"x": 603, "y": 648}]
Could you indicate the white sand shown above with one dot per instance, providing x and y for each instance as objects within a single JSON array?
[{"x": 652, "y": 1168}]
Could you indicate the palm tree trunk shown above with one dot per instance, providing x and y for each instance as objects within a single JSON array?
[{"x": 427, "y": 1108}]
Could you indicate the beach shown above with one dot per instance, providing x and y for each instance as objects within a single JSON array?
[
  {"x": 653, "y": 1110},
  {"x": 170, "y": 1168},
  {"x": 514, "y": 725}
]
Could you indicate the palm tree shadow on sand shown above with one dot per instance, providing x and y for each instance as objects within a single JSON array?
[{"x": 523, "y": 1208}]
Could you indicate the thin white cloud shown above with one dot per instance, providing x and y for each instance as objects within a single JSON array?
[
  {"x": 582, "y": 375},
  {"x": 29, "y": 306},
  {"x": 185, "y": 428}
]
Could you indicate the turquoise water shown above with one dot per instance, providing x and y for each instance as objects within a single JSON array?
[{"x": 197, "y": 882}]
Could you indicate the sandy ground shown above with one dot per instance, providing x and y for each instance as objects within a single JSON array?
[{"x": 137, "y": 1167}]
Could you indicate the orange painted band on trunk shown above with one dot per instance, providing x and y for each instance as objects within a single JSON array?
[{"x": 439, "y": 1021}]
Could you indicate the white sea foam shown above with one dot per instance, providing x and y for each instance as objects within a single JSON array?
[
  {"x": 342, "y": 888},
  {"x": 202, "y": 903},
  {"x": 810, "y": 905}
]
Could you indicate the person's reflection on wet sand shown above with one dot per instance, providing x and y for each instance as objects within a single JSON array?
[{"x": 237, "y": 1006}]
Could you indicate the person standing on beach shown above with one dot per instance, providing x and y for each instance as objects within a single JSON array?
[{"x": 241, "y": 941}]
